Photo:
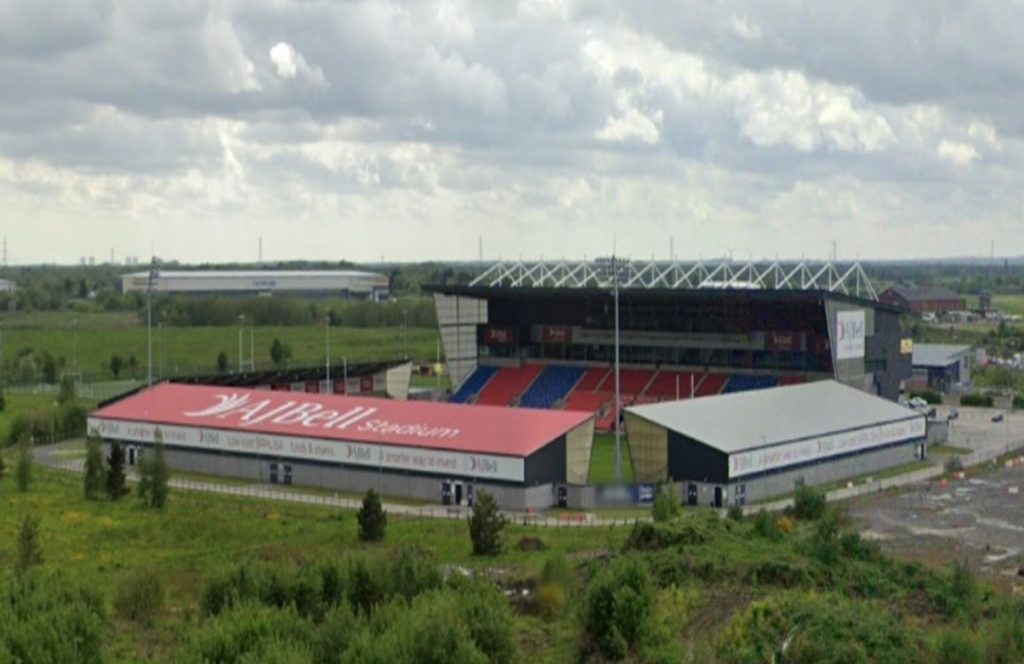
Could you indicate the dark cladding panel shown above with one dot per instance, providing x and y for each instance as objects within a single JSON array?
[
  {"x": 547, "y": 465},
  {"x": 691, "y": 460}
]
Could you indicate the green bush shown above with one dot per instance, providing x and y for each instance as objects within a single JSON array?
[
  {"x": 489, "y": 619},
  {"x": 486, "y": 526},
  {"x": 958, "y": 595},
  {"x": 1018, "y": 401},
  {"x": 140, "y": 596},
  {"x": 766, "y": 525},
  {"x": 666, "y": 506},
  {"x": 931, "y": 396},
  {"x": 252, "y": 633},
  {"x": 372, "y": 518},
  {"x": 410, "y": 572},
  {"x": 816, "y": 629},
  {"x": 808, "y": 503},
  {"x": 95, "y": 476},
  {"x": 1006, "y": 635},
  {"x": 953, "y": 465},
  {"x": 23, "y": 467},
  {"x": 618, "y": 608},
  {"x": 29, "y": 553},
  {"x": 48, "y": 618},
  {"x": 647, "y": 536},
  {"x": 978, "y": 400},
  {"x": 952, "y": 645}
]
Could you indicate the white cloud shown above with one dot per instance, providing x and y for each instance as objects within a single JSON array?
[
  {"x": 289, "y": 64},
  {"x": 631, "y": 125},
  {"x": 958, "y": 154}
]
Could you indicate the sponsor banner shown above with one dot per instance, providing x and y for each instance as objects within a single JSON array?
[
  {"x": 556, "y": 334},
  {"x": 822, "y": 447},
  {"x": 850, "y": 332},
  {"x": 782, "y": 341},
  {"x": 366, "y": 383},
  {"x": 499, "y": 335},
  {"x": 645, "y": 493},
  {"x": 391, "y": 457},
  {"x": 906, "y": 346}
]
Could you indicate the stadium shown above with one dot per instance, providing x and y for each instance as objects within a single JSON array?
[{"x": 531, "y": 351}]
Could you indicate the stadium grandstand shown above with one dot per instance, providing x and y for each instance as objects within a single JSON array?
[
  {"x": 347, "y": 284},
  {"x": 542, "y": 335}
]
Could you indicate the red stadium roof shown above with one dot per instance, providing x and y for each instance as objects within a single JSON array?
[{"x": 491, "y": 430}]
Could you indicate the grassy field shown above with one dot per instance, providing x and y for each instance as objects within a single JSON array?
[
  {"x": 100, "y": 542},
  {"x": 195, "y": 349},
  {"x": 602, "y": 460},
  {"x": 25, "y": 403}
]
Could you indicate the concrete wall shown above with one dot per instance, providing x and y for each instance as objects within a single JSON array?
[
  {"x": 351, "y": 480},
  {"x": 778, "y": 484}
]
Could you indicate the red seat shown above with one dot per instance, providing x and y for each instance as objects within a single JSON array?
[{"x": 507, "y": 384}]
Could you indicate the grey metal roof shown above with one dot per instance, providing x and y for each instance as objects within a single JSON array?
[
  {"x": 759, "y": 418},
  {"x": 938, "y": 355},
  {"x": 255, "y": 274}
]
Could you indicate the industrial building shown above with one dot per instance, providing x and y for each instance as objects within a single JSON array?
[
  {"x": 921, "y": 301},
  {"x": 348, "y": 284},
  {"x": 543, "y": 335},
  {"x": 746, "y": 447},
  {"x": 434, "y": 452},
  {"x": 942, "y": 367}
]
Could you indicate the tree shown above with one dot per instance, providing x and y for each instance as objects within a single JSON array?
[
  {"x": 133, "y": 364},
  {"x": 2, "y": 466},
  {"x": 222, "y": 362},
  {"x": 67, "y": 389},
  {"x": 666, "y": 507},
  {"x": 116, "y": 364},
  {"x": 153, "y": 475},
  {"x": 372, "y": 518},
  {"x": 83, "y": 289},
  {"x": 115, "y": 472},
  {"x": 95, "y": 473},
  {"x": 3, "y": 402},
  {"x": 23, "y": 470},
  {"x": 49, "y": 369},
  {"x": 486, "y": 525},
  {"x": 277, "y": 352},
  {"x": 29, "y": 553}
]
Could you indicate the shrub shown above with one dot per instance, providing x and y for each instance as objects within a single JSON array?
[
  {"x": 3, "y": 402},
  {"x": 618, "y": 608},
  {"x": 140, "y": 596},
  {"x": 115, "y": 472},
  {"x": 646, "y": 536},
  {"x": 953, "y": 465},
  {"x": 1006, "y": 641},
  {"x": 959, "y": 596},
  {"x": 665, "y": 507},
  {"x": 486, "y": 525},
  {"x": 784, "y": 524},
  {"x": 154, "y": 475},
  {"x": 808, "y": 503},
  {"x": 252, "y": 633},
  {"x": 735, "y": 513},
  {"x": 766, "y": 526},
  {"x": 978, "y": 400},
  {"x": 95, "y": 477},
  {"x": 489, "y": 619},
  {"x": 49, "y": 618},
  {"x": 554, "y": 584},
  {"x": 372, "y": 518},
  {"x": 32, "y": 426},
  {"x": 23, "y": 469},
  {"x": 410, "y": 573},
  {"x": 29, "y": 553},
  {"x": 813, "y": 628},
  {"x": 1018, "y": 401},
  {"x": 956, "y": 646},
  {"x": 931, "y": 396}
]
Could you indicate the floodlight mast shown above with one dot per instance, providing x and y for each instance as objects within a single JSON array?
[{"x": 615, "y": 264}]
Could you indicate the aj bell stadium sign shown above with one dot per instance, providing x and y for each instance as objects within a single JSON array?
[{"x": 242, "y": 412}]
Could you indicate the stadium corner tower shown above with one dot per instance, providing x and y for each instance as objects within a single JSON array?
[{"x": 725, "y": 328}]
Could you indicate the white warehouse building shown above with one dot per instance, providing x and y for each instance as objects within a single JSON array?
[{"x": 351, "y": 284}]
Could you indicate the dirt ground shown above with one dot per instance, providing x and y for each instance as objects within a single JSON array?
[{"x": 980, "y": 519}]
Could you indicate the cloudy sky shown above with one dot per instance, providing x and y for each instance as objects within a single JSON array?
[{"x": 356, "y": 130}]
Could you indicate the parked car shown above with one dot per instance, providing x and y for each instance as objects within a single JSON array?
[
  {"x": 953, "y": 415},
  {"x": 918, "y": 402},
  {"x": 930, "y": 414},
  {"x": 998, "y": 417}
]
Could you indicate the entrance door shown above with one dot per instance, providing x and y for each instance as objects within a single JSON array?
[
  {"x": 273, "y": 473},
  {"x": 691, "y": 494},
  {"x": 563, "y": 496},
  {"x": 131, "y": 456},
  {"x": 287, "y": 474},
  {"x": 469, "y": 495},
  {"x": 458, "y": 493},
  {"x": 718, "y": 496},
  {"x": 446, "y": 493}
]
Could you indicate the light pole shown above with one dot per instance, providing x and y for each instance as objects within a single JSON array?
[
  {"x": 149, "y": 322},
  {"x": 160, "y": 348},
  {"x": 327, "y": 346},
  {"x": 405, "y": 326},
  {"x": 615, "y": 264}
]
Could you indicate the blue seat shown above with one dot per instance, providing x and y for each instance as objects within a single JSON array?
[
  {"x": 552, "y": 384},
  {"x": 743, "y": 383},
  {"x": 473, "y": 384}
]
